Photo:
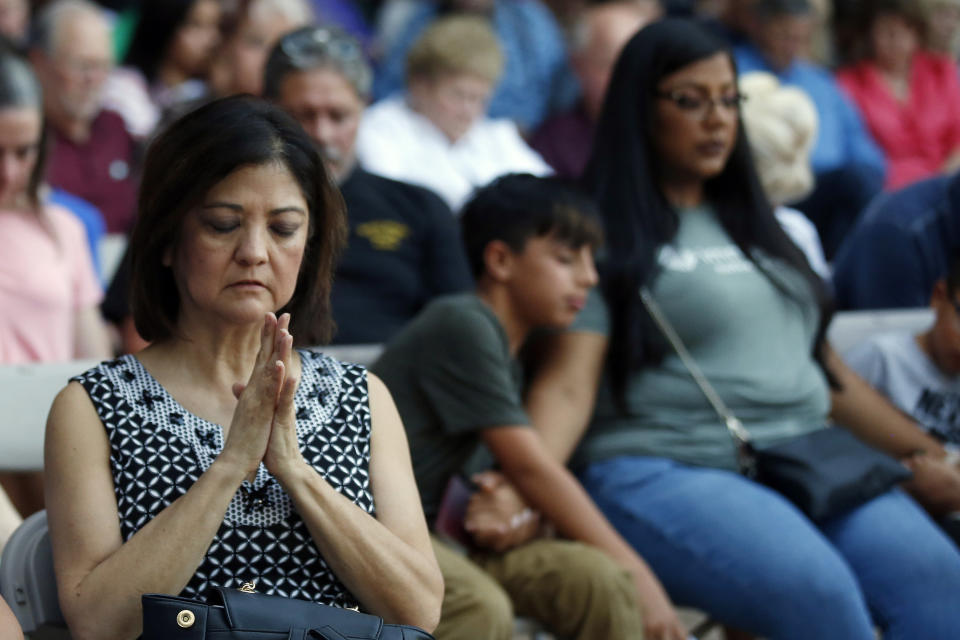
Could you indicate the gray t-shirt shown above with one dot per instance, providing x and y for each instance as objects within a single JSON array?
[
  {"x": 896, "y": 366},
  {"x": 752, "y": 341},
  {"x": 451, "y": 375}
]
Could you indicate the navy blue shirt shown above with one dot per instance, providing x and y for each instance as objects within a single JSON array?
[
  {"x": 901, "y": 246},
  {"x": 404, "y": 249}
]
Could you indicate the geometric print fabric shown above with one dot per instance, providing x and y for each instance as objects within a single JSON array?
[{"x": 158, "y": 450}]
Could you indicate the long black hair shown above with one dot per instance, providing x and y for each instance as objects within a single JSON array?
[
  {"x": 623, "y": 174},
  {"x": 156, "y": 27}
]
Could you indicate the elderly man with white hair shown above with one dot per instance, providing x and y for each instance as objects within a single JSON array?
[{"x": 91, "y": 153}]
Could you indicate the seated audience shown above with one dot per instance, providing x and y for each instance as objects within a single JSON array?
[
  {"x": 49, "y": 290},
  {"x": 90, "y": 153},
  {"x": 238, "y": 221},
  {"x": 564, "y": 140},
  {"x": 686, "y": 217},
  {"x": 900, "y": 247},
  {"x": 454, "y": 375},
  {"x": 249, "y": 30},
  {"x": 848, "y": 165},
  {"x": 91, "y": 218},
  {"x": 920, "y": 373},
  {"x": 535, "y": 74},
  {"x": 436, "y": 135},
  {"x": 347, "y": 15},
  {"x": 167, "y": 62},
  {"x": 909, "y": 97},
  {"x": 403, "y": 247},
  {"x": 782, "y": 125}
]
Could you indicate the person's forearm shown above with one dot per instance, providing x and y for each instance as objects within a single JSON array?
[
  {"x": 91, "y": 338},
  {"x": 557, "y": 495},
  {"x": 388, "y": 576},
  {"x": 561, "y": 397},
  {"x": 161, "y": 557},
  {"x": 871, "y": 417}
]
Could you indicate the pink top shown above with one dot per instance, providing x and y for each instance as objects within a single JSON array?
[
  {"x": 43, "y": 283},
  {"x": 919, "y": 134}
]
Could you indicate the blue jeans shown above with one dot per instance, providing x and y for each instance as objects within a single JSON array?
[{"x": 749, "y": 558}]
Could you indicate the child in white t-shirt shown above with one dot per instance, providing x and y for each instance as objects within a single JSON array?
[{"x": 921, "y": 373}]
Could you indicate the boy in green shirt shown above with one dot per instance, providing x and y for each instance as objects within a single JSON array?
[{"x": 454, "y": 377}]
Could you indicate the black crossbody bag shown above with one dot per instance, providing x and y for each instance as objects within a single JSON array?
[
  {"x": 825, "y": 472},
  {"x": 246, "y": 615}
]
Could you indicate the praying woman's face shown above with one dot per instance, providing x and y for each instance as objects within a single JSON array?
[
  {"x": 239, "y": 251},
  {"x": 20, "y": 129}
]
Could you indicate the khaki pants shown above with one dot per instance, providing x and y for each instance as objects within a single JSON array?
[{"x": 574, "y": 590}]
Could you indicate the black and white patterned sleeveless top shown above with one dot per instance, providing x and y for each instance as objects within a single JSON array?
[{"x": 158, "y": 450}]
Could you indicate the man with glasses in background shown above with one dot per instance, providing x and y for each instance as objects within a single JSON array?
[{"x": 404, "y": 246}]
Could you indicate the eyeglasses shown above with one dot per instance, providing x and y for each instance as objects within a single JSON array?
[
  {"x": 700, "y": 105},
  {"x": 306, "y": 47}
]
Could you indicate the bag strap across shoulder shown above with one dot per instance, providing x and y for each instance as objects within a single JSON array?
[{"x": 738, "y": 432}]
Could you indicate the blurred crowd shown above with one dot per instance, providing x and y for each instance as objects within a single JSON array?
[{"x": 851, "y": 109}]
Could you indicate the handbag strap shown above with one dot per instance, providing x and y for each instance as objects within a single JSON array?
[{"x": 738, "y": 432}]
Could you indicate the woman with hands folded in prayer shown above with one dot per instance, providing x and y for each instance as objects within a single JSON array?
[{"x": 220, "y": 454}]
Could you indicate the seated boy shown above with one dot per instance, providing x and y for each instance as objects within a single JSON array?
[
  {"x": 920, "y": 374},
  {"x": 454, "y": 376}
]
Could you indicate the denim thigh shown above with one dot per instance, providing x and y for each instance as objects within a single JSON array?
[
  {"x": 733, "y": 548},
  {"x": 907, "y": 567}
]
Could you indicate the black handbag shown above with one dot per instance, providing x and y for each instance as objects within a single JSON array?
[
  {"x": 244, "y": 615},
  {"x": 825, "y": 472}
]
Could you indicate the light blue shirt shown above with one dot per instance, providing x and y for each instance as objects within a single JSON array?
[{"x": 842, "y": 138}]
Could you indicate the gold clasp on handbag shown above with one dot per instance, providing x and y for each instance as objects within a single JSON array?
[{"x": 249, "y": 587}]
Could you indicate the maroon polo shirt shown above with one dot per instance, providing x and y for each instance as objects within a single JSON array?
[{"x": 100, "y": 170}]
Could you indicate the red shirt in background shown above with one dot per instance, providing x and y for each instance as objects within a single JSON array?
[
  {"x": 919, "y": 134},
  {"x": 100, "y": 170}
]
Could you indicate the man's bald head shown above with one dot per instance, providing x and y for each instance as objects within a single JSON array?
[{"x": 600, "y": 35}]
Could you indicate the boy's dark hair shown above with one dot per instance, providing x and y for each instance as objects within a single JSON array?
[
  {"x": 953, "y": 275},
  {"x": 519, "y": 206}
]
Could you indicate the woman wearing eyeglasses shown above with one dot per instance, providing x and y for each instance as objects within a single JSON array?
[
  {"x": 685, "y": 216},
  {"x": 221, "y": 455}
]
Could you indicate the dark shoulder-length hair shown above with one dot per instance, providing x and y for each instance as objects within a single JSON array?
[
  {"x": 156, "y": 26},
  {"x": 623, "y": 174},
  {"x": 185, "y": 162}
]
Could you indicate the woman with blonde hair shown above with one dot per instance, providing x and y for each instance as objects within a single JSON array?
[
  {"x": 438, "y": 135},
  {"x": 781, "y": 124}
]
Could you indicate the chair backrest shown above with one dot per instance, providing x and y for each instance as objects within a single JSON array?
[
  {"x": 850, "y": 327},
  {"x": 26, "y": 393},
  {"x": 27, "y": 581}
]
